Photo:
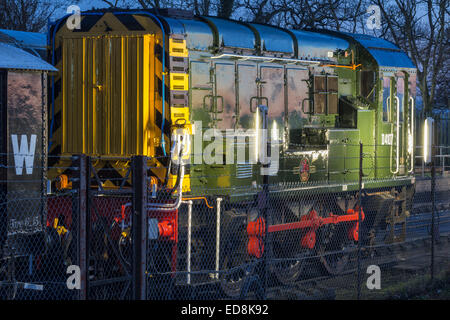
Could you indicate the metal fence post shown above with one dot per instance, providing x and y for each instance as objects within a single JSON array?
[
  {"x": 79, "y": 219},
  {"x": 218, "y": 203},
  {"x": 88, "y": 163},
  {"x": 189, "y": 243},
  {"x": 360, "y": 233},
  {"x": 139, "y": 227},
  {"x": 423, "y": 167},
  {"x": 265, "y": 199},
  {"x": 433, "y": 208},
  {"x": 265, "y": 216}
]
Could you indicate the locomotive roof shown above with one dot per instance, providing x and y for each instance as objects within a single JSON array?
[
  {"x": 232, "y": 33},
  {"x": 314, "y": 45},
  {"x": 385, "y": 53},
  {"x": 274, "y": 39},
  {"x": 301, "y": 44},
  {"x": 209, "y": 32},
  {"x": 212, "y": 33}
]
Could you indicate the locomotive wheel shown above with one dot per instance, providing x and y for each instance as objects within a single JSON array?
[
  {"x": 286, "y": 245},
  {"x": 288, "y": 271},
  {"x": 233, "y": 252},
  {"x": 334, "y": 248},
  {"x": 336, "y": 258}
]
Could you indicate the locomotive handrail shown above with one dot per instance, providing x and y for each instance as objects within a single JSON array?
[
  {"x": 398, "y": 134},
  {"x": 174, "y": 206},
  {"x": 213, "y": 107},
  {"x": 388, "y": 104},
  {"x": 411, "y": 99},
  {"x": 215, "y": 101},
  {"x": 397, "y": 161},
  {"x": 204, "y": 102},
  {"x": 268, "y": 59},
  {"x": 351, "y": 67},
  {"x": 303, "y": 106},
  {"x": 262, "y": 156},
  {"x": 258, "y": 100},
  {"x": 177, "y": 141}
]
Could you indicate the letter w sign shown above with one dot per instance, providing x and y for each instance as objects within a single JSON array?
[{"x": 23, "y": 153}]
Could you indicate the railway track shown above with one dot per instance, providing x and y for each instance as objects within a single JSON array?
[
  {"x": 413, "y": 254},
  {"x": 315, "y": 285}
]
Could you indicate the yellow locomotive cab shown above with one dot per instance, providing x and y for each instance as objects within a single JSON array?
[{"x": 121, "y": 94}]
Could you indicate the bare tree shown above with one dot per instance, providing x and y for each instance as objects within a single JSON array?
[
  {"x": 202, "y": 7},
  {"x": 417, "y": 26},
  {"x": 420, "y": 27},
  {"x": 199, "y": 7},
  {"x": 264, "y": 11},
  {"x": 442, "y": 93},
  {"x": 112, "y": 4},
  {"x": 225, "y": 8},
  {"x": 26, "y": 15},
  {"x": 329, "y": 14},
  {"x": 157, "y": 4},
  {"x": 297, "y": 14}
]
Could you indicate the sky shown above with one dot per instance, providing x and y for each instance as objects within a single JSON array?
[
  {"x": 89, "y": 4},
  {"x": 83, "y": 4}
]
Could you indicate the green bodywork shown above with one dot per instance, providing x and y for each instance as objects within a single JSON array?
[{"x": 224, "y": 93}]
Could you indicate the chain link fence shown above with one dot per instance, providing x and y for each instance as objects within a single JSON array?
[{"x": 126, "y": 228}]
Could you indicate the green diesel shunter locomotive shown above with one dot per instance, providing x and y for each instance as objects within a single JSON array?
[{"x": 205, "y": 98}]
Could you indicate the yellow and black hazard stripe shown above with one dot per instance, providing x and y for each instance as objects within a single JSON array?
[
  {"x": 179, "y": 95},
  {"x": 162, "y": 122}
]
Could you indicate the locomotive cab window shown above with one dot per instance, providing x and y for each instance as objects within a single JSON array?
[
  {"x": 401, "y": 96},
  {"x": 332, "y": 94},
  {"x": 325, "y": 94},
  {"x": 387, "y": 84},
  {"x": 368, "y": 85},
  {"x": 320, "y": 92}
]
